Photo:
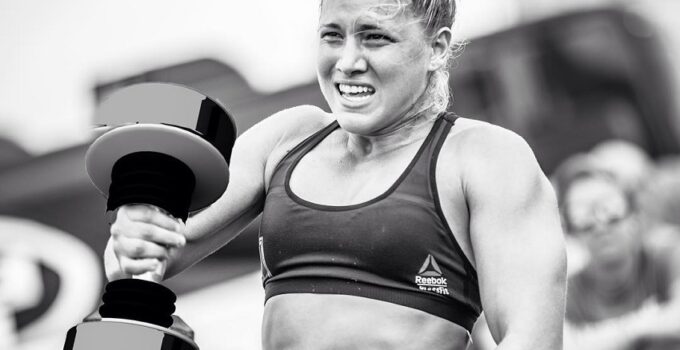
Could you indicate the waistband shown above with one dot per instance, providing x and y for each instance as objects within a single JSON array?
[{"x": 449, "y": 309}]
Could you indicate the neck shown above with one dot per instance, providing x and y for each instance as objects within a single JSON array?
[{"x": 390, "y": 138}]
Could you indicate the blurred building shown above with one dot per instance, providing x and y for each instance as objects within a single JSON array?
[{"x": 568, "y": 82}]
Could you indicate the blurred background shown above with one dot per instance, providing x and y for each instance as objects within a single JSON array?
[{"x": 566, "y": 75}]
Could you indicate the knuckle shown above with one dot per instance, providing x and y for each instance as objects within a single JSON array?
[
  {"x": 126, "y": 266},
  {"x": 124, "y": 212},
  {"x": 146, "y": 234},
  {"x": 180, "y": 228},
  {"x": 151, "y": 250},
  {"x": 181, "y": 241},
  {"x": 138, "y": 266},
  {"x": 115, "y": 230},
  {"x": 138, "y": 249},
  {"x": 138, "y": 213},
  {"x": 117, "y": 247},
  {"x": 147, "y": 214}
]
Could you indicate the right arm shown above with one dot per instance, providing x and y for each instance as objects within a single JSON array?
[{"x": 141, "y": 237}]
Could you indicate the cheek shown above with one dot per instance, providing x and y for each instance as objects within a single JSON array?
[
  {"x": 416, "y": 58},
  {"x": 399, "y": 72},
  {"x": 325, "y": 61},
  {"x": 410, "y": 66}
]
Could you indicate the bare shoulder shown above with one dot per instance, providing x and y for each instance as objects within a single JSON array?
[
  {"x": 297, "y": 123},
  {"x": 283, "y": 128},
  {"x": 263, "y": 146},
  {"x": 480, "y": 142},
  {"x": 478, "y": 145},
  {"x": 488, "y": 155}
]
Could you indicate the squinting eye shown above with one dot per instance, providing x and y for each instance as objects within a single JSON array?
[
  {"x": 331, "y": 36},
  {"x": 378, "y": 38}
]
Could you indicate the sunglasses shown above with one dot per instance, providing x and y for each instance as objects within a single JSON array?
[{"x": 609, "y": 221}]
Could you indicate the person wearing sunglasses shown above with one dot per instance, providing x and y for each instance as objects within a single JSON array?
[{"x": 626, "y": 295}]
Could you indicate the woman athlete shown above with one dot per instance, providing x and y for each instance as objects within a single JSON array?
[{"x": 387, "y": 223}]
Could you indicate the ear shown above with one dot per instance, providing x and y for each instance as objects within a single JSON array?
[{"x": 440, "y": 48}]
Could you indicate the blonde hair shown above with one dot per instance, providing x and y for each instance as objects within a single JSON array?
[{"x": 434, "y": 15}]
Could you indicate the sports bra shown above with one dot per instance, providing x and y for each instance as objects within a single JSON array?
[{"x": 396, "y": 247}]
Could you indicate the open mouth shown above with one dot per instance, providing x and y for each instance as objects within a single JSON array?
[{"x": 355, "y": 92}]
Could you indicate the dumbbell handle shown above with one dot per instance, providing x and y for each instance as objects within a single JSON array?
[
  {"x": 157, "y": 274},
  {"x": 154, "y": 276}
]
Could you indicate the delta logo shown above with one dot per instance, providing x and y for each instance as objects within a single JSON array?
[{"x": 430, "y": 278}]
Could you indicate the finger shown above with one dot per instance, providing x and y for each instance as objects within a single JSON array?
[
  {"x": 151, "y": 215},
  {"x": 139, "y": 249},
  {"x": 114, "y": 273},
  {"x": 138, "y": 266},
  {"x": 148, "y": 232},
  {"x": 112, "y": 264}
]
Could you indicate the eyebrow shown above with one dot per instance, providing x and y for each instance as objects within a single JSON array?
[
  {"x": 367, "y": 27},
  {"x": 362, "y": 28},
  {"x": 330, "y": 26}
]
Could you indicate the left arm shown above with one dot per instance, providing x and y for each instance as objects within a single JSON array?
[{"x": 516, "y": 239}]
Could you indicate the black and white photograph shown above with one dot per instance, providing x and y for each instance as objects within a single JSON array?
[{"x": 340, "y": 174}]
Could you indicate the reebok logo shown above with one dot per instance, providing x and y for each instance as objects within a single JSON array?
[{"x": 430, "y": 277}]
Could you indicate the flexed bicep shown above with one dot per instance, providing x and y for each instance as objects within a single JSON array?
[{"x": 517, "y": 241}]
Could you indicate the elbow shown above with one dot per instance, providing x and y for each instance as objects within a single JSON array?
[{"x": 523, "y": 342}]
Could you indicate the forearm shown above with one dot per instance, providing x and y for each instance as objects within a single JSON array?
[
  {"x": 179, "y": 259},
  {"x": 211, "y": 236}
]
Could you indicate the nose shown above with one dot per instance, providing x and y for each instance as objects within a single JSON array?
[{"x": 351, "y": 60}]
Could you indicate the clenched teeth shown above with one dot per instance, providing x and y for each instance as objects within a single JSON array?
[{"x": 355, "y": 89}]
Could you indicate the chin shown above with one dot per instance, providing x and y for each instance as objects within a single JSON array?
[{"x": 357, "y": 123}]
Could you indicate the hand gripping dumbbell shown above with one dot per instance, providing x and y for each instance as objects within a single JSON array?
[{"x": 166, "y": 146}]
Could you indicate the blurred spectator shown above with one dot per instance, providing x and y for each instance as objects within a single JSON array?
[
  {"x": 627, "y": 295},
  {"x": 656, "y": 186},
  {"x": 661, "y": 196},
  {"x": 626, "y": 161}
]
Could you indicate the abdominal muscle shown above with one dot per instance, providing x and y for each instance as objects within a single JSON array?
[{"x": 324, "y": 321}]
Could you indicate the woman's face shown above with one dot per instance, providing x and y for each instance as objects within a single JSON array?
[
  {"x": 602, "y": 220},
  {"x": 372, "y": 65}
]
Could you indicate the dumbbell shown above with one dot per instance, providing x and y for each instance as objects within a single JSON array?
[{"x": 167, "y": 146}]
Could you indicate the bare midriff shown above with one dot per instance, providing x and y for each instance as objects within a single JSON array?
[{"x": 324, "y": 321}]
